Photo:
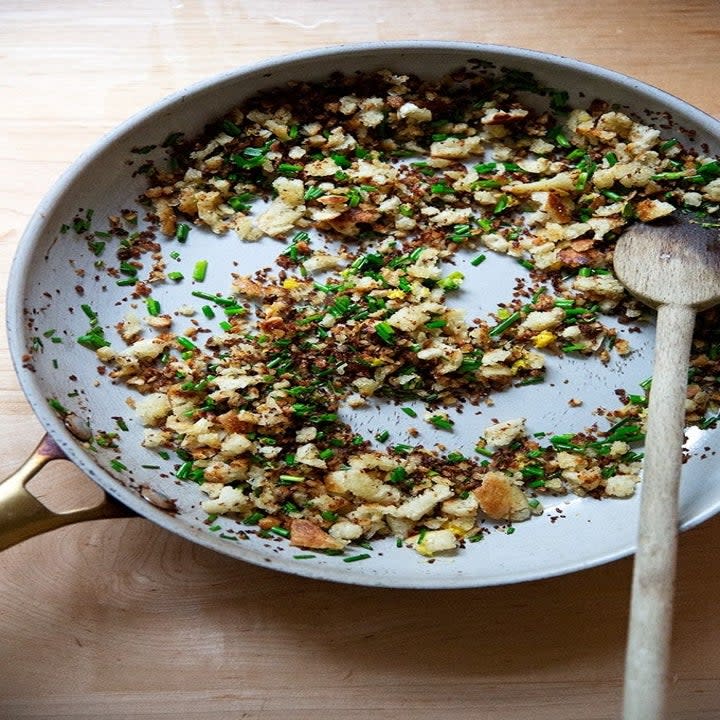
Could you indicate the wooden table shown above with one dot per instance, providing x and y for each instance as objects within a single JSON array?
[{"x": 122, "y": 620}]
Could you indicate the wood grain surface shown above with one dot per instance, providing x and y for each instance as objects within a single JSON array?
[{"x": 119, "y": 619}]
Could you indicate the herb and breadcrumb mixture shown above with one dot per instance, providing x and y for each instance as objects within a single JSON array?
[{"x": 373, "y": 186}]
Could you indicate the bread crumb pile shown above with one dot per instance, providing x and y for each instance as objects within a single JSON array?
[{"x": 375, "y": 185}]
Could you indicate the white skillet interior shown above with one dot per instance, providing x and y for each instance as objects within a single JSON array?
[{"x": 573, "y": 534}]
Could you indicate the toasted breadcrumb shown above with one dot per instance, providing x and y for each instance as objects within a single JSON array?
[{"x": 402, "y": 174}]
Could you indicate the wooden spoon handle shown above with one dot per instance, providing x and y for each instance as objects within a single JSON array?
[{"x": 648, "y": 646}]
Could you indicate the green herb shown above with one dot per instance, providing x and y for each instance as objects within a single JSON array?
[
  {"x": 435, "y": 324},
  {"x": 94, "y": 339},
  {"x": 397, "y": 475},
  {"x": 557, "y": 136},
  {"x": 186, "y": 342},
  {"x": 424, "y": 168},
  {"x": 182, "y": 232},
  {"x": 460, "y": 233},
  {"x": 230, "y": 128},
  {"x": 251, "y": 157},
  {"x": 441, "y": 422},
  {"x": 289, "y": 168},
  {"x": 175, "y": 276},
  {"x": 673, "y": 175},
  {"x": 254, "y": 518},
  {"x": 385, "y": 332},
  {"x": 356, "y": 558},
  {"x": 478, "y": 260},
  {"x": 200, "y": 270},
  {"x": 57, "y": 406},
  {"x": 217, "y": 299},
  {"x": 313, "y": 193},
  {"x": 441, "y": 188},
  {"x": 241, "y": 203},
  {"x": 501, "y": 327},
  {"x": 409, "y": 412},
  {"x": 153, "y": 306},
  {"x": 290, "y": 479},
  {"x": 501, "y": 204},
  {"x": 559, "y": 100},
  {"x": 484, "y": 168}
]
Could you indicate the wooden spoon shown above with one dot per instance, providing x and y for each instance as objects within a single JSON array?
[{"x": 673, "y": 266}]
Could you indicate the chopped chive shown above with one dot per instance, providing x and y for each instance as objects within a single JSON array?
[
  {"x": 208, "y": 312},
  {"x": 478, "y": 260},
  {"x": 186, "y": 342},
  {"x": 290, "y": 479},
  {"x": 385, "y": 332},
  {"x": 441, "y": 422},
  {"x": 382, "y": 436},
  {"x": 153, "y": 306},
  {"x": 91, "y": 314},
  {"x": 217, "y": 299},
  {"x": 501, "y": 327},
  {"x": 289, "y": 168},
  {"x": 200, "y": 270},
  {"x": 182, "y": 232},
  {"x": 304, "y": 556},
  {"x": 254, "y": 518},
  {"x": 175, "y": 276},
  {"x": 313, "y": 193},
  {"x": 676, "y": 175},
  {"x": 409, "y": 412},
  {"x": 117, "y": 465},
  {"x": 94, "y": 339},
  {"x": 501, "y": 204},
  {"x": 487, "y": 167},
  {"x": 434, "y": 324},
  {"x": 356, "y": 558},
  {"x": 558, "y": 137},
  {"x": 241, "y": 203},
  {"x": 281, "y": 531},
  {"x": 441, "y": 188},
  {"x": 57, "y": 406}
]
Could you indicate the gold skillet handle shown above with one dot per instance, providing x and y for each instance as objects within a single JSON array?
[{"x": 23, "y": 516}]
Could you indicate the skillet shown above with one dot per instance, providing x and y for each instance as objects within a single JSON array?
[{"x": 54, "y": 275}]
